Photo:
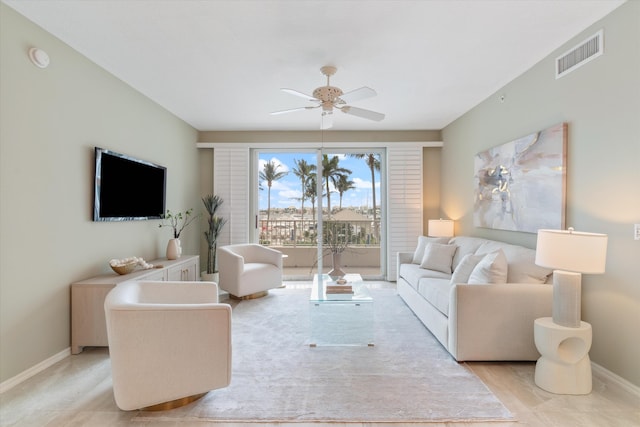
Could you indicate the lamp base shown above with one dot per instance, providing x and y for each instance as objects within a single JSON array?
[
  {"x": 566, "y": 298},
  {"x": 564, "y": 366}
]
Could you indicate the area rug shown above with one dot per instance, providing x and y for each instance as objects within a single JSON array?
[{"x": 277, "y": 377}]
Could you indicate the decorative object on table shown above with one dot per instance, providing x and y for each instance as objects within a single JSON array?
[
  {"x": 177, "y": 222},
  {"x": 174, "y": 249},
  {"x": 564, "y": 340},
  {"x": 339, "y": 290},
  {"x": 336, "y": 237},
  {"x": 520, "y": 185},
  {"x": 211, "y": 204},
  {"x": 333, "y": 288},
  {"x": 440, "y": 228},
  {"x": 127, "y": 265}
]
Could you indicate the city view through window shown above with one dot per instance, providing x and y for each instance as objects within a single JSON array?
[{"x": 350, "y": 202}]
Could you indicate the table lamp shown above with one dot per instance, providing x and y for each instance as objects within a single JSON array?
[
  {"x": 570, "y": 253},
  {"x": 563, "y": 340},
  {"x": 440, "y": 228}
]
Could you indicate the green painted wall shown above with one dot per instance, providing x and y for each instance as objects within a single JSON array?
[
  {"x": 601, "y": 104},
  {"x": 50, "y": 120}
]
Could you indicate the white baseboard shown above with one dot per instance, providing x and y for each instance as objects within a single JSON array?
[
  {"x": 615, "y": 380},
  {"x": 25, "y": 375}
]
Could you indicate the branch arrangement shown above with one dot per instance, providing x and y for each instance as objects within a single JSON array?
[{"x": 177, "y": 221}]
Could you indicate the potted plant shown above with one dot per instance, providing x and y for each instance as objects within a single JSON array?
[
  {"x": 336, "y": 237},
  {"x": 177, "y": 222},
  {"x": 211, "y": 204}
]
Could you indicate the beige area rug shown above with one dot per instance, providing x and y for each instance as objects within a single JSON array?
[{"x": 406, "y": 377}]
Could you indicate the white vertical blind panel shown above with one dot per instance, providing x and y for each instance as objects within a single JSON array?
[
  {"x": 231, "y": 182},
  {"x": 404, "y": 166}
]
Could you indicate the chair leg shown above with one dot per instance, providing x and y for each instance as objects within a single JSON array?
[
  {"x": 165, "y": 406},
  {"x": 250, "y": 296}
]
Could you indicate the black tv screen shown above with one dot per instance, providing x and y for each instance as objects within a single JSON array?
[{"x": 126, "y": 188}]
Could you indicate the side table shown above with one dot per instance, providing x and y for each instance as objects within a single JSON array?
[{"x": 564, "y": 366}]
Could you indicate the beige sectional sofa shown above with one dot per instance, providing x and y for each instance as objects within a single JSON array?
[{"x": 478, "y": 297}]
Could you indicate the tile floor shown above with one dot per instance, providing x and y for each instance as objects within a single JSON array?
[{"x": 77, "y": 392}]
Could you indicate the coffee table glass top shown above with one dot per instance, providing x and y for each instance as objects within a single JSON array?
[{"x": 319, "y": 289}]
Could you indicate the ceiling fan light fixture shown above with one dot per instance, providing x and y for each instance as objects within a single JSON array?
[
  {"x": 327, "y": 93},
  {"x": 329, "y": 97}
]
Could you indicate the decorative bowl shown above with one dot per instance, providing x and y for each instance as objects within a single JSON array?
[{"x": 124, "y": 268}]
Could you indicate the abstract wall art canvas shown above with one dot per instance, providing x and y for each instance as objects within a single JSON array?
[{"x": 520, "y": 185}]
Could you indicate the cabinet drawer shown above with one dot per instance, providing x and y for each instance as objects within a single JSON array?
[
  {"x": 160, "y": 275},
  {"x": 183, "y": 272}
]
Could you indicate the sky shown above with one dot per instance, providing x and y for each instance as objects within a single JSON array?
[{"x": 286, "y": 192}]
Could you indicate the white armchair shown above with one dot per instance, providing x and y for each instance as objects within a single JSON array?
[
  {"x": 169, "y": 342},
  {"x": 249, "y": 270}
]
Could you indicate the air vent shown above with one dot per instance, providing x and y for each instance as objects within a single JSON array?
[{"x": 581, "y": 54}]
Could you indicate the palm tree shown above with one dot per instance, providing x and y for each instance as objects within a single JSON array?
[
  {"x": 331, "y": 171},
  {"x": 303, "y": 170},
  {"x": 310, "y": 192},
  {"x": 344, "y": 185},
  {"x": 373, "y": 161},
  {"x": 270, "y": 173}
]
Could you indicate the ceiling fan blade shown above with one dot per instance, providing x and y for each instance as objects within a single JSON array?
[
  {"x": 300, "y": 94},
  {"x": 326, "y": 121},
  {"x": 291, "y": 110},
  {"x": 357, "y": 94},
  {"x": 361, "y": 112}
]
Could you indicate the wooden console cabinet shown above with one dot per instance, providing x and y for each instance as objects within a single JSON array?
[{"x": 88, "y": 323}]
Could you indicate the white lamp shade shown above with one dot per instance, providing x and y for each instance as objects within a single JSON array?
[
  {"x": 440, "y": 228},
  {"x": 570, "y": 250}
]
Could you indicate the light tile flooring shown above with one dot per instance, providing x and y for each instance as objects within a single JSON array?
[{"x": 77, "y": 392}]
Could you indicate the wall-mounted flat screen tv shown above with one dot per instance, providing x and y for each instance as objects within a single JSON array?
[{"x": 127, "y": 188}]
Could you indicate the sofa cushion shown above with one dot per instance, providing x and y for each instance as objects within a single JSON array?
[
  {"x": 466, "y": 245},
  {"x": 438, "y": 257},
  {"x": 413, "y": 273},
  {"x": 521, "y": 260},
  {"x": 465, "y": 268},
  {"x": 436, "y": 292},
  {"x": 491, "y": 269},
  {"x": 423, "y": 241}
]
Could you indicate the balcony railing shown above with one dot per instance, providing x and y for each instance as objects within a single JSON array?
[
  {"x": 298, "y": 240},
  {"x": 278, "y": 232}
]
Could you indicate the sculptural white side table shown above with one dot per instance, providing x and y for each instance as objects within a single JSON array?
[{"x": 564, "y": 367}]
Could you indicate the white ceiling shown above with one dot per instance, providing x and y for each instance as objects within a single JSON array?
[{"x": 220, "y": 64}]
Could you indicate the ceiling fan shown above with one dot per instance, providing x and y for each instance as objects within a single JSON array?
[{"x": 329, "y": 97}]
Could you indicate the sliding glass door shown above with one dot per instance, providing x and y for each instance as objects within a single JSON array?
[{"x": 310, "y": 204}]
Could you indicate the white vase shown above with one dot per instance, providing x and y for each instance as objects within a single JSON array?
[{"x": 174, "y": 250}]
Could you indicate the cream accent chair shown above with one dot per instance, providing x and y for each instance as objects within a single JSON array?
[
  {"x": 169, "y": 342},
  {"x": 249, "y": 270}
]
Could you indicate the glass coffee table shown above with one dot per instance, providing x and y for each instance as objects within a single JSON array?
[{"x": 341, "y": 319}]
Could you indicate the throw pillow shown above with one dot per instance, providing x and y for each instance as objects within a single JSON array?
[
  {"x": 464, "y": 269},
  {"x": 423, "y": 241},
  {"x": 491, "y": 269},
  {"x": 438, "y": 257}
]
